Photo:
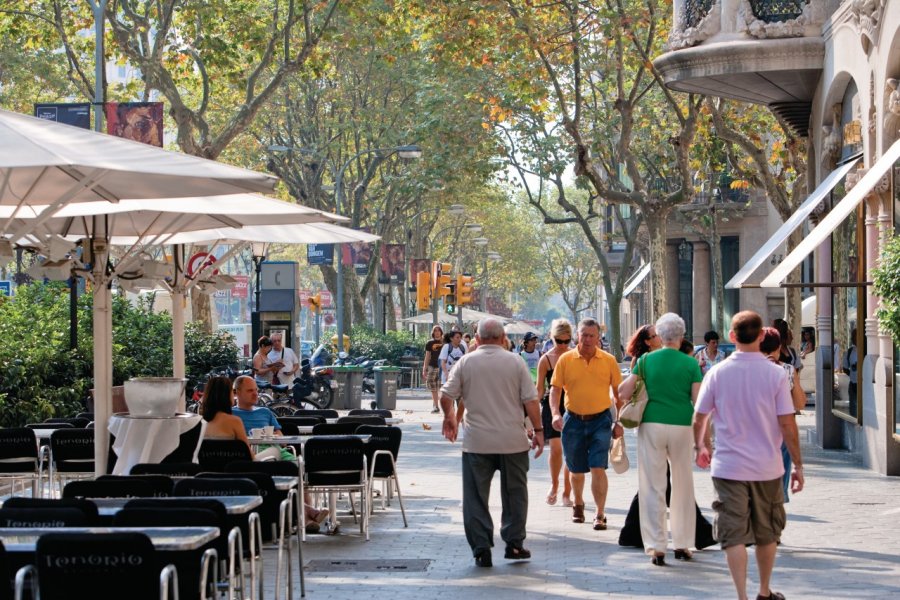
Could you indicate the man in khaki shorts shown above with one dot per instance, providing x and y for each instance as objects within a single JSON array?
[{"x": 749, "y": 400}]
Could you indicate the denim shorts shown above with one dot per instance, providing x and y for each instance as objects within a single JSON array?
[{"x": 586, "y": 443}]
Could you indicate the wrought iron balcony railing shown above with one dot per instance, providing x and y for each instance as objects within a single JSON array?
[
  {"x": 777, "y": 11},
  {"x": 694, "y": 11}
]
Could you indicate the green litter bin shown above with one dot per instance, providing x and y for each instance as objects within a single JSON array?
[
  {"x": 349, "y": 387},
  {"x": 386, "y": 387}
]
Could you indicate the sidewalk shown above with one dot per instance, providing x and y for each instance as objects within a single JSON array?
[{"x": 842, "y": 538}]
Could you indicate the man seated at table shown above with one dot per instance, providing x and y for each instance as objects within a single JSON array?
[{"x": 256, "y": 417}]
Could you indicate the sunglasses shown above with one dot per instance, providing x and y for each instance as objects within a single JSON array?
[{"x": 559, "y": 341}]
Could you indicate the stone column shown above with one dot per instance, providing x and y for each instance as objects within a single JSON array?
[
  {"x": 701, "y": 293},
  {"x": 672, "y": 280}
]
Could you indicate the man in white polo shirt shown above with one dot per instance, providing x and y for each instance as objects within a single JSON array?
[{"x": 498, "y": 392}]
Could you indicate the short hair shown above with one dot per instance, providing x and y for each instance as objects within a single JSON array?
[
  {"x": 670, "y": 327},
  {"x": 490, "y": 329},
  {"x": 771, "y": 340},
  {"x": 216, "y": 397},
  {"x": 240, "y": 380},
  {"x": 437, "y": 328},
  {"x": 686, "y": 347},
  {"x": 264, "y": 341},
  {"x": 746, "y": 326},
  {"x": 560, "y": 327},
  {"x": 589, "y": 322},
  {"x": 710, "y": 336}
]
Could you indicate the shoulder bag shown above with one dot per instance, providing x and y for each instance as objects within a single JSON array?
[{"x": 631, "y": 414}]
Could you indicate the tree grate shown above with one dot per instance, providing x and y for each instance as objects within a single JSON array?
[{"x": 374, "y": 565}]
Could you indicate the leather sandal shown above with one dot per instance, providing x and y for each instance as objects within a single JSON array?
[
  {"x": 659, "y": 560},
  {"x": 578, "y": 513},
  {"x": 517, "y": 553},
  {"x": 772, "y": 596},
  {"x": 600, "y": 523},
  {"x": 683, "y": 554}
]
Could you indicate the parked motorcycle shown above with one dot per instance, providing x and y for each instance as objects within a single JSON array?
[{"x": 313, "y": 386}]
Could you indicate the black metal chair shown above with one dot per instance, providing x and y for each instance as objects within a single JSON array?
[
  {"x": 366, "y": 412},
  {"x": 362, "y": 420},
  {"x": 50, "y": 426},
  {"x": 71, "y": 454},
  {"x": 335, "y": 428},
  {"x": 85, "y": 415},
  {"x": 19, "y": 518},
  {"x": 305, "y": 421},
  {"x": 272, "y": 498},
  {"x": 20, "y": 459},
  {"x": 88, "y": 508},
  {"x": 179, "y": 469},
  {"x": 120, "y": 488},
  {"x": 187, "y": 446},
  {"x": 337, "y": 464},
  {"x": 192, "y": 582},
  {"x": 162, "y": 484},
  {"x": 328, "y": 413},
  {"x": 382, "y": 449},
  {"x": 91, "y": 565},
  {"x": 215, "y": 454},
  {"x": 6, "y": 590},
  {"x": 77, "y": 422}
]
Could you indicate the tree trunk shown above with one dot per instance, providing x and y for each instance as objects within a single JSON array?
[
  {"x": 201, "y": 309},
  {"x": 793, "y": 308},
  {"x": 656, "y": 225},
  {"x": 614, "y": 327},
  {"x": 718, "y": 284}
]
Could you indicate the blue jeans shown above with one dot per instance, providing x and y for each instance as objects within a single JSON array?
[
  {"x": 586, "y": 443},
  {"x": 786, "y": 478}
]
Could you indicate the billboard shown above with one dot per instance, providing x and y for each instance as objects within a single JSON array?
[
  {"x": 358, "y": 254},
  {"x": 320, "y": 254},
  {"x": 77, "y": 114},
  {"x": 418, "y": 265},
  {"x": 138, "y": 121},
  {"x": 393, "y": 262}
]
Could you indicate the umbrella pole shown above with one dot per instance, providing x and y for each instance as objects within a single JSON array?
[
  {"x": 179, "y": 298},
  {"x": 102, "y": 356}
]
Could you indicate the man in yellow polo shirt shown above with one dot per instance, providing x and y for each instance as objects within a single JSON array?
[{"x": 591, "y": 379}]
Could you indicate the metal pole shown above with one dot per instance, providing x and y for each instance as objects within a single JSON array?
[{"x": 339, "y": 301}]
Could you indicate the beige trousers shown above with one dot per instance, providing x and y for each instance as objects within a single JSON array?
[{"x": 657, "y": 445}]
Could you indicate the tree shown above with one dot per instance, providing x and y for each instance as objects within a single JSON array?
[{"x": 572, "y": 266}]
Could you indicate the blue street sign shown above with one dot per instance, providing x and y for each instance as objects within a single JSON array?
[{"x": 6, "y": 288}]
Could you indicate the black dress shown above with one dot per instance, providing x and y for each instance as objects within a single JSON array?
[{"x": 546, "y": 415}]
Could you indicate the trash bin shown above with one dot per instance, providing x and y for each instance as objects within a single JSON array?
[
  {"x": 349, "y": 387},
  {"x": 386, "y": 387}
]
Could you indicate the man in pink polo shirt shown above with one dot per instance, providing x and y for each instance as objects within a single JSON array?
[{"x": 749, "y": 401}]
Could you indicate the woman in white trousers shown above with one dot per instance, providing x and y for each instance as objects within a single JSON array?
[{"x": 665, "y": 437}]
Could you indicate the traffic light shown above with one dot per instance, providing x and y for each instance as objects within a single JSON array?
[
  {"x": 450, "y": 303},
  {"x": 464, "y": 289},
  {"x": 423, "y": 290},
  {"x": 441, "y": 278},
  {"x": 315, "y": 303}
]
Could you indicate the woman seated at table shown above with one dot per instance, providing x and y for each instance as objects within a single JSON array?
[{"x": 222, "y": 425}]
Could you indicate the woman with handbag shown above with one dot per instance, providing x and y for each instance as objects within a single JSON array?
[{"x": 665, "y": 438}]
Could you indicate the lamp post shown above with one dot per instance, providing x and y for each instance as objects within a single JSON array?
[
  {"x": 384, "y": 286},
  {"x": 259, "y": 250},
  {"x": 409, "y": 151}
]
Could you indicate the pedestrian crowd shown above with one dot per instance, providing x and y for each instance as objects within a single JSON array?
[{"x": 734, "y": 415}]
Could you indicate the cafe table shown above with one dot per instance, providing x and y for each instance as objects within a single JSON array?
[
  {"x": 234, "y": 505},
  {"x": 166, "y": 539},
  {"x": 149, "y": 439}
]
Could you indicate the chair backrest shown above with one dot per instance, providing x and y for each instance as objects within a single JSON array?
[
  {"x": 231, "y": 486},
  {"x": 187, "y": 445},
  {"x": 383, "y": 437},
  {"x": 361, "y": 420},
  {"x": 131, "y": 487},
  {"x": 215, "y": 454},
  {"x": 5, "y": 587},
  {"x": 208, "y": 504},
  {"x": 175, "y": 469},
  {"x": 162, "y": 484},
  {"x": 376, "y": 412},
  {"x": 272, "y": 467},
  {"x": 335, "y": 428},
  {"x": 333, "y": 460},
  {"x": 100, "y": 566},
  {"x": 88, "y": 508},
  {"x": 42, "y": 517},
  {"x": 18, "y": 450},
  {"x": 166, "y": 517},
  {"x": 72, "y": 450},
  {"x": 78, "y": 422},
  {"x": 328, "y": 413},
  {"x": 85, "y": 415},
  {"x": 272, "y": 498},
  {"x": 288, "y": 428},
  {"x": 307, "y": 421}
]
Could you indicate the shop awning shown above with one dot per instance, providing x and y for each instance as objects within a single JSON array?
[
  {"x": 636, "y": 279},
  {"x": 834, "y": 218},
  {"x": 788, "y": 227}
]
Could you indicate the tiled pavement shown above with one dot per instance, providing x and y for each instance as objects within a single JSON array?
[{"x": 842, "y": 540}]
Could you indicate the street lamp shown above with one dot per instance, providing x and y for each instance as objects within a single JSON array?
[
  {"x": 259, "y": 250},
  {"x": 384, "y": 286},
  {"x": 407, "y": 151},
  {"x": 489, "y": 256}
]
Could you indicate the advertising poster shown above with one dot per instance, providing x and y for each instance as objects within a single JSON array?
[
  {"x": 138, "y": 121},
  {"x": 77, "y": 114},
  {"x": 418, "y": 265},
  {"x": 359, "y": 255},
  {"x": 393, "y": 262},
  {"x": 320, "y": 254}
]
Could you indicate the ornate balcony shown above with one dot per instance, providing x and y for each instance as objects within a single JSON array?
[{"x": 761, "y": 51}]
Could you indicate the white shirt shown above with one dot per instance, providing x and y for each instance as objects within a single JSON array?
[{"x": 287, "y": 356}]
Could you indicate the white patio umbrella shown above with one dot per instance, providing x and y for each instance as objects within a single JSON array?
[
  {"x": 519, "y": 328},
  {"x": 148, "y": 221},
  {"x": 469, "y": 315}
]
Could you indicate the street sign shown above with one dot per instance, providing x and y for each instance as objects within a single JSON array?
[
  {"x": 326, "y": 298},
  {"x": 200, "y": 260},
  {"x": 241, "y": 288},
  {"x": 6, "y": 288},
  {"x": 328, "y": 319},
  {"x": 278, "y": 275},
  {"x": 304, "y": 296}
]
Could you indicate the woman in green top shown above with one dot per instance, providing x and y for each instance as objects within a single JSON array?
[{"x": 665, "y": 438}]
